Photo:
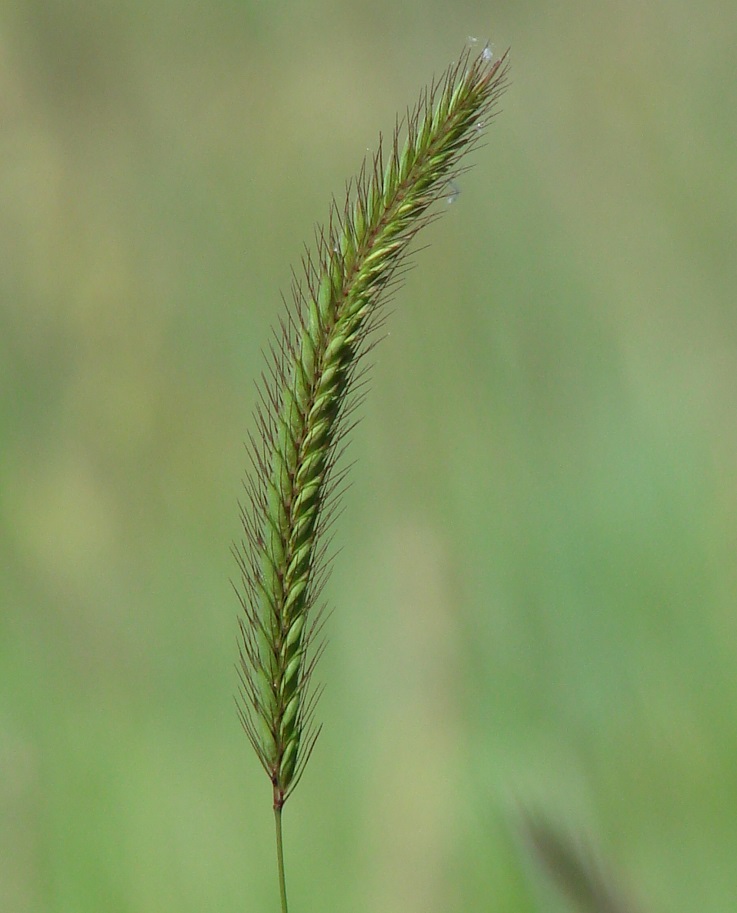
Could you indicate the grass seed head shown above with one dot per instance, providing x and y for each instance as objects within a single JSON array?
[{"x": 310, "y": 388}]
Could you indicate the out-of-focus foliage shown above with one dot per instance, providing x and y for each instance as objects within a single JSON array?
[{"x": 535, "y": 598}]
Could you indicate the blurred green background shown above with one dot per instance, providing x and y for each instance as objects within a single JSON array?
[{"x": 535, "y": 598}]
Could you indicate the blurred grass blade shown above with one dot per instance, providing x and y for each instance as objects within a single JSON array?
[{"x": 572, "y": 866}]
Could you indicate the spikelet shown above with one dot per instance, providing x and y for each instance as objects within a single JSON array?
[{"x": 308, "y": 392}]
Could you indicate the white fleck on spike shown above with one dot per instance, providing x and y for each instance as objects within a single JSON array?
[
  {"x": 487, "y": 52},
  {"x": 454, "y": 191}
]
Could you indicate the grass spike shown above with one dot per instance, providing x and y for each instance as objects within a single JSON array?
[{"x": 307, "y": 396}]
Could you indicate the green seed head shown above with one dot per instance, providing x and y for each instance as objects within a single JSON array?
[{"x": 305, "y": 398}]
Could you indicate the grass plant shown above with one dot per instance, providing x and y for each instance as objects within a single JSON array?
[{"x": 308, "y": 393}]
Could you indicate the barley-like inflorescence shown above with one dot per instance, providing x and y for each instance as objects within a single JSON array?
[{"x": 310, "y": 389}]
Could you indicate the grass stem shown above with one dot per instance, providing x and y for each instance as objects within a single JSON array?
[{"x": 280, "y": 859}]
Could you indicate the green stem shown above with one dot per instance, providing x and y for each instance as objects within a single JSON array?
[{"x": 280, "y": 860}]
